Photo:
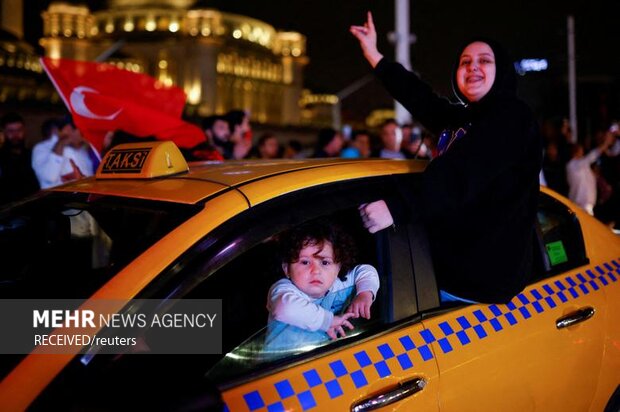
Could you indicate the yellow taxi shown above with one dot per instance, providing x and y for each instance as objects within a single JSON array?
[{"x": 148, "y": 226}]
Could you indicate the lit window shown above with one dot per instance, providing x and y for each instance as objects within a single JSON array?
[
  {"x": 128, "y": 26},
  {"x": 150, "y": 24}
]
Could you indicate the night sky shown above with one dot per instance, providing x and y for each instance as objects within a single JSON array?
[{"x": 528, "y": 29}]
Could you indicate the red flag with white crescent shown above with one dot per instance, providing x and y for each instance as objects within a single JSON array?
[{"x": 104, "y": 98}]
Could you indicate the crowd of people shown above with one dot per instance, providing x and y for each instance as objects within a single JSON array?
[
  {"x": 390, "y": 140},
  {"x": 227, "y": 138},
  {"x": 62, "y": 155},
  {"x": 587, "y": 172}
]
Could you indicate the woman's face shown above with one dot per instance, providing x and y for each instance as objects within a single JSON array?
[{"x": 476, "y": 72}]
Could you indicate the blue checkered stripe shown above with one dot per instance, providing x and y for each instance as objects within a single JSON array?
[
  {"x": 389, "y": 356},
  {"x": 416, "y": 347},
  {"x": 478, "y": 325}
]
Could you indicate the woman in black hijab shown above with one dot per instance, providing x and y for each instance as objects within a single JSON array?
[{"x": 479, "y": 196}]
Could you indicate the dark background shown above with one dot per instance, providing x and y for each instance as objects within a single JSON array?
[{"x": 529, "y": 29}]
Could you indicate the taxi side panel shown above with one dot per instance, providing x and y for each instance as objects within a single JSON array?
[
  {"x": 337, "y": 381},
  {"x": 604, "y": 246},
  {"x": 519, "y": 359}
]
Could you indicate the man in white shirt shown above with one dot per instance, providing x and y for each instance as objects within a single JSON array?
[
  {"x": 64, "y": 157},
  {"x": 581, "y": 179}
]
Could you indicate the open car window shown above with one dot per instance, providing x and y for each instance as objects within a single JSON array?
[
  {"x": 242, "y": 265},
  {"x": 243, "y": 285}
]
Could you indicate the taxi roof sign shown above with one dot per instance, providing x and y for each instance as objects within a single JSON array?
[{"x": 142, "y": 161}]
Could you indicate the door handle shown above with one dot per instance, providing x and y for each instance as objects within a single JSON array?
[
  {"x": 575, "y": 317},
  {"x": 403, "y": 390}
]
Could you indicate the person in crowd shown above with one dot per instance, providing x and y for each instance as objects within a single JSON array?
[
  {"x": 64, "y": 156},
  {"x": 391, "y": 137},
  {"x": 554, "y": 170},
  {"x": 329, "y": 143},
  {"x": 240, "y": 133},
  {"x": 407, "y": 130},
  {"x": 429, "y": 141},
  {"x": 267, "y": 147},
  {"x": 322, "y": 288},
  {"x": 478, "y": 197},
  {"x": 413, "y": 145},
  {"x": 608, "y": 179},
  {"x": 358, "y": 146},
  {"x": 17, "y": 179},
  {"x": 362, "y": 141},
  {"x": 579, "y": 174},
  {"x": 216, "y": 146},
  {"x": 565, "y": 139},
  {"x": 293, "y": 150}
]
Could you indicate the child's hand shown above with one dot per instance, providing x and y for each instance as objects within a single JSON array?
[
  {"x": 336, "y": 327},
  {"x": 361, "y": 305}
]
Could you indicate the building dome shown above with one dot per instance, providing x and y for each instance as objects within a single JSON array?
[{"x": 221, "y": 60}]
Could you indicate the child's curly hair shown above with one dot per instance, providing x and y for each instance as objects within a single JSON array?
[{"x": 316, "y": 232}]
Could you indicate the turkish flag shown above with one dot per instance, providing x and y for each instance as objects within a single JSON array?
[{"x": 104, "y": 98}]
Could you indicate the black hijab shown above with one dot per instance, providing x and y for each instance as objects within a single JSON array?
[{"x": 505, "y": 83}]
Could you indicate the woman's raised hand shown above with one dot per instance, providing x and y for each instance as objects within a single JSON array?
[{"x": 367, "y": 36}]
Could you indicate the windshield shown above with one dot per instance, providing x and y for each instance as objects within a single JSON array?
[{"x": 67, "y": 245}]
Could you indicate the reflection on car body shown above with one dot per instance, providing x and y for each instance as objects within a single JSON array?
[{"x": 200, "y": 234}]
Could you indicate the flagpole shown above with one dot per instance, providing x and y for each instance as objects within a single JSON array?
[
  {"x": 110, "y": 51},
  {"x": 53, "y": 80},
  {"x": 403, "y": 43}
]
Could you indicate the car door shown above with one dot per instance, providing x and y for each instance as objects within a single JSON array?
[
  {"x": 527, "y": 355},
  {"x": 389, "y": 361}
]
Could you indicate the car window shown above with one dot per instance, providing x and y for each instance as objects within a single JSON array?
[
  {"x": 241, "y": 266},
  {"x": 561, "y": 245},
  {"x": 243, "y": 285},
  {"x": 80, "y": 241}
]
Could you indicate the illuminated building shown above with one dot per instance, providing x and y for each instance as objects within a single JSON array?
[
  {"x": 21, "y": 76},
  {"x": 221, "y": 60}
]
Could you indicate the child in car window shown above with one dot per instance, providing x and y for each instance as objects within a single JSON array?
[{"x": 322, "y": 288}]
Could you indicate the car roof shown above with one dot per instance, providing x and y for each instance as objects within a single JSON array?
[{"x": 206, "y": 179}]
